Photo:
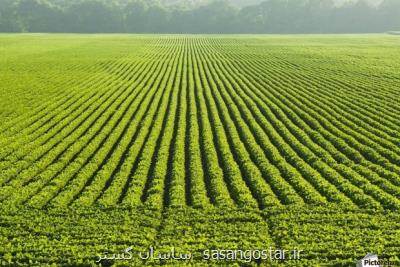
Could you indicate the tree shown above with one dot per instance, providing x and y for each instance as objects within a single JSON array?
[
  {"x": 8, "y": 14},
  {"x": 202, "y": 16},
  {"x": 94, "y": 17}
]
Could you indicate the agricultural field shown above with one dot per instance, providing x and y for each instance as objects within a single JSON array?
[{"x": 119, "y": 143}]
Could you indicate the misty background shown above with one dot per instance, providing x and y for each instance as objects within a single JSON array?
[{"x": 200, "y": 16}]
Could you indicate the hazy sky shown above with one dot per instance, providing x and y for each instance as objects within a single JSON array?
[
  {"x": 339, "y": 2},
  {"x": 372, "y": 2}
]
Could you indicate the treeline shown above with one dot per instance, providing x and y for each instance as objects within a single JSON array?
[{"x": 140, "y": 16}]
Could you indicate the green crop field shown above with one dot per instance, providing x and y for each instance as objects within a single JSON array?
[{"x": 112, "y": 144}]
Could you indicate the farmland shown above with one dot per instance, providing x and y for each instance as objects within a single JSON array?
[{"x": 199, "y": 142}]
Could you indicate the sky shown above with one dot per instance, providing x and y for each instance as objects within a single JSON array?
[
  {"x": 339, "y": 2},
  {"x": 243, "y": 3},
  {"x": 371, "y": 2}
]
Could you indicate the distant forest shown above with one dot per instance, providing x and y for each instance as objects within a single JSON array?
[{"x": 151, "y": 16}]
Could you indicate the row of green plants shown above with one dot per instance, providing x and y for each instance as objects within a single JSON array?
[
  {"x": 392, "y": 188},
  {"x": 83, "y": 145},
  {"x": 192, "y": 121},
  {"x": 325, "y": 235}
]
